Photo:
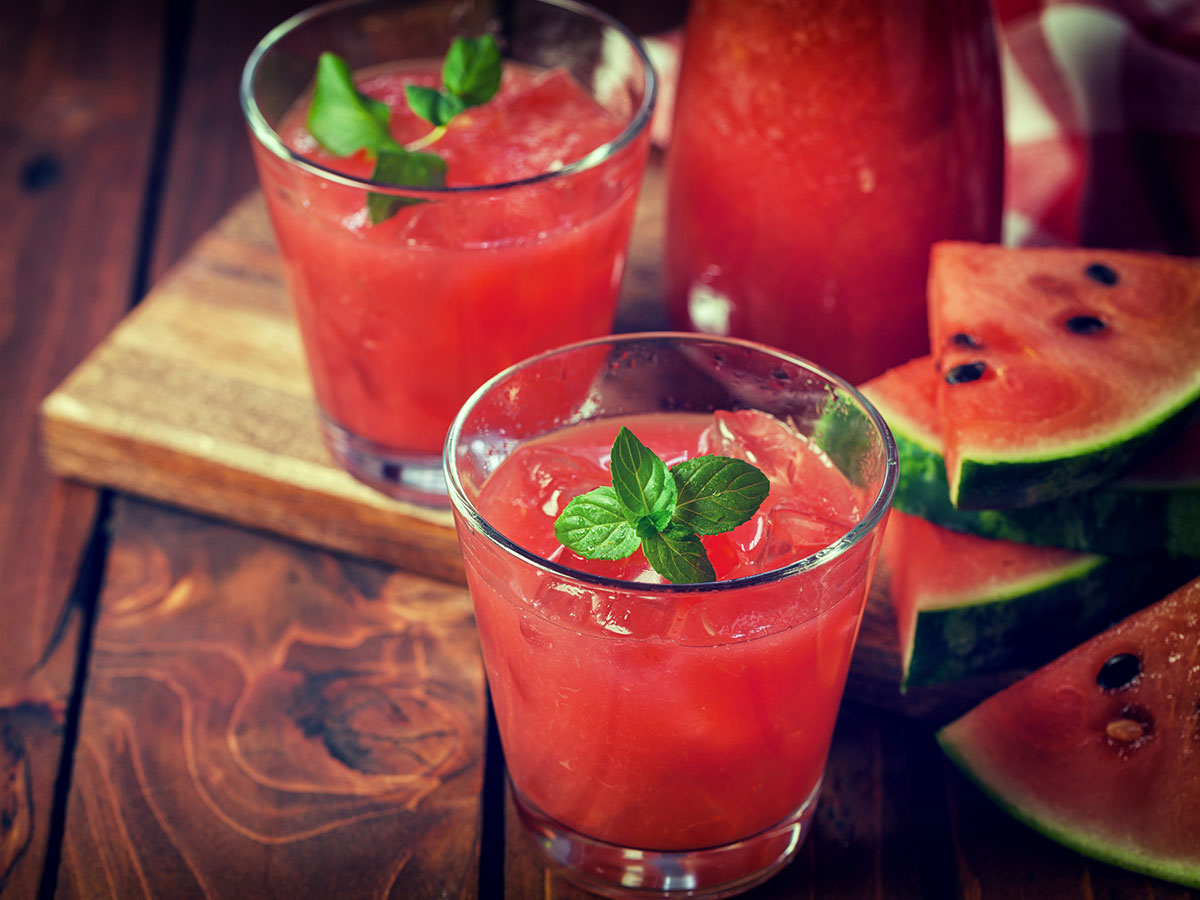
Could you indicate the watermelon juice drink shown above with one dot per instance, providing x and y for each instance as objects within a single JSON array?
[
  {"x": 818, "y": 150},
  {"x": 521, "y": 250},
  {"x": 668, "y": 737}
]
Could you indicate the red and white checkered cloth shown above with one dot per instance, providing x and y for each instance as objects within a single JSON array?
[{"x": 1102, "y": 118}]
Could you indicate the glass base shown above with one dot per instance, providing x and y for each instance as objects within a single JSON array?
[
  {"x": 411, "y": 477},
  {"x": 624, "y": 872}
]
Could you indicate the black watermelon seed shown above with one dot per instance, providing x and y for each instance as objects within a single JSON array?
[
  {"x": 1119, "y": 671},
  {"x": 971, "y": 371},
  {"x": 962, "y": 339},
  {"x": 40, "y": 172},
  {"x": 1085, "y": 324},
  {"x": 1102, "y": 273}
]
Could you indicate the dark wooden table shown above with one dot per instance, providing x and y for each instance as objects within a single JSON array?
[{"x": 188, "y": 708}]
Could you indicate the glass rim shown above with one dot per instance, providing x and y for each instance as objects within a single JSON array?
[
  {"x": 865, "y": 525},
  {"x": 266, "y": 135}
]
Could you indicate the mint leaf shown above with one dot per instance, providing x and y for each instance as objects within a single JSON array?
[
  {"x": 402, "y": 167},
  {"x": 345, "y": 121},
  {"x": 594, "y": 526},
  {"x": 470, "y": 77},
  {"x": 642, "y": 482},
  {"x": 717, "y": 493},
  {"x": 678, "y": 556},
  {"x": 433, "y": 105},
  {"x": 664, "y": 511},
  {"x": 471, "y": 71},
  {"x": 341, "y": 119}
]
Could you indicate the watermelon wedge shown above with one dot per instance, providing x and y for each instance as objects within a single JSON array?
[
  {"x": 1100, "y": 749},
  {"x": 968, "y": 606},
  {"x": 1155, "y": 509},
  {"x": 1060, "y": 367}
]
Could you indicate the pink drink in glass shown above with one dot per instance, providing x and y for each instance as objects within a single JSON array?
[
  {"x": 523, "y": 250},
  {"x": 690, "y": 724}
]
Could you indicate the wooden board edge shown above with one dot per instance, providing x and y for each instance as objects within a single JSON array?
[{"x": 108, "y": 458}]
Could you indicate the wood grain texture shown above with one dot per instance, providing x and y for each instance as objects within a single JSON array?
[
  {"x": 265, "y": 720},
  {"x": 76, "y": 136},
  {"x": 210, "y": 168},
  {"x": 200, "y": 398}
]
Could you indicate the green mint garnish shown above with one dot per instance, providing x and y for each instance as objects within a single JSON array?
[
  {"x": 404, "y": 167},
  {"x": 663, "y": 511},
  {"x": 345, "y": 121},
  {"x": 470, "y": 77}
]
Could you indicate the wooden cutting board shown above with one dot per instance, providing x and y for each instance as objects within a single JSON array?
[{"x": 200, "y": 399}]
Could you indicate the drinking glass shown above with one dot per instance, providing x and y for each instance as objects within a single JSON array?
[
  {"x": 401, "y": 320},
  {"x": 818, "y": 150},
  {"x": 660, "y": 739}
]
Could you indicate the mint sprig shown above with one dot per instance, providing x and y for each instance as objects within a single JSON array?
[
  {"x": 662, "y": 510},
  {"x": 470, "y": 77},
  {"x": 345, "y": 121}
]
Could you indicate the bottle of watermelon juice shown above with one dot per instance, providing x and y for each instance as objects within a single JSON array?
[
  {"x": 818, "y": 150},
  {"x": 409, "y": 298},
  {"x": 659, "y": 736}
]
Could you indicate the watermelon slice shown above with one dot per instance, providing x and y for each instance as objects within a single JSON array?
[
  {"x": 1001, "y": 605},
  {"x": 1153, "y": 510},
  {"x": 1060, "y": 367},
  {"x": 1100, "y": 749}
]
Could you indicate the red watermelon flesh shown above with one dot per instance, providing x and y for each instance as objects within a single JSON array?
[
  {"x": 1059, "y": 365},
  {"x": 1100, "y": 749}
]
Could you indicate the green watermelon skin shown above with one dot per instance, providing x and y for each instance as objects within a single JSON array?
[
  {"x": 1123, "y": 518},
  {"x": 1003, "y": 606},
  {"x": 999, "y": 634},
  {"x": 999, "y": 483},
  {"x": 1046, "y": 410},
  {"x": 1044, "y": 751}
]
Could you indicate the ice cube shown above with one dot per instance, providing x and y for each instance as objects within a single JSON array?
[
  {"x": 797, "y": 528},
  {"x": 594, "y": 610},
  {"x": 532, "y": 488},
  {"x": 795, "y": 466},
  {"x": 758, "y": 438}
]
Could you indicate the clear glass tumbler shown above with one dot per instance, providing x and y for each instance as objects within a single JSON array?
[
  {"x": 661, "y": 739},
  {"x": 523, "y": 250}
]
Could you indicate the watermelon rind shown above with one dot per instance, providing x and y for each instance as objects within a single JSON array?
[
  {"x": 1030, "y": 621},
  {"x": 956, "y": 743},
  {"x": 1122, "y": 518},
  {"x": 1025, "y": 623},
  {"x": 994, "y": 481}
]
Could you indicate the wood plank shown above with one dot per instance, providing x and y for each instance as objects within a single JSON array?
[
  {"x": 200, "y": 398},
  {"x": 265, "y": 720},
  {"x": 77, "y": 135},
  {"x": 210, "y": 167}
]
